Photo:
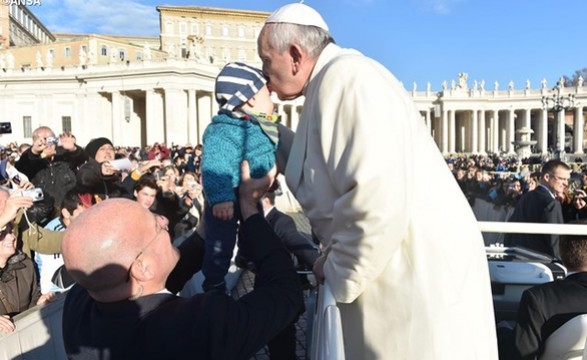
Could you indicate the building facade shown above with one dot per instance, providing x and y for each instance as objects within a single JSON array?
[
  {"x": 476, "y": 120},
  {"x": 140, "y": 90},
  {"x": 211, "y": 35}
]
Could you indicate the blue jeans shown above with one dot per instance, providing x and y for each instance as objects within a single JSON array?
[{"x": 219, "y": 239}]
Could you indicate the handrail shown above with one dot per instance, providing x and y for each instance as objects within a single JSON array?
[
  {"x": 532, "y": 228},
  {"x": 327, "y": 340}
]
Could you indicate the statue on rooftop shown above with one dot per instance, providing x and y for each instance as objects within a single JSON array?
[
  {"x": 49, "y": 58},
  {"x": 580, "y": 81},
  {"x": 83, "y": 57},
  {"x": 147, "y": 52},
  {"x": 39, "y": 59},
  {"x": 496, "y": 85},
  {"x": 511, "y": 85},
  {"x": 9, "y": 60},
  {"x": 463, "y": 81},
  {"x": 544, "y": 83}
]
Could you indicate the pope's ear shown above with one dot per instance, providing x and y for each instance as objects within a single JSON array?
[{"x": 297, "y": 55}]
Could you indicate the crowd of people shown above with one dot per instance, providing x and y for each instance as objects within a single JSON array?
[{"x": 503, "y": 180}]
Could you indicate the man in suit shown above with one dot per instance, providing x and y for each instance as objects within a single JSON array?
[
  {"x": 285, "y": 228},
  {"x": 541, "y": 206},
  {"x": 546, "y": 307},
  {"x": 127, "y": 271}
]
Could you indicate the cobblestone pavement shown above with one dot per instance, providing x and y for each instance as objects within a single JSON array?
[{"x": 246, "y": 284}]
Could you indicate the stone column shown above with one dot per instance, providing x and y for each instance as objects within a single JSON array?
[
  {"x": 474, "y": 132},
  {"x": 482, "y": 133},
  {"x": 543, "y": 132},
  {"x": 117, "y": 117},
  {"x": 511, "y": 132},
  {"x": 295, "y": 117},
  {"x": 444, "y": 132},
  {"x": 495, "y": 131},
  {"x": 528, "y": 118},
  {"x": 452, "y": 131},
  {"x": 427, "y": 120},
  {"x": 192, "y": 118},
  {"x": 560, "y": 130},
  {"x": 204, "y": 112},
  {"x": 154, "y": 113},
  {"x": 578, "y": 130}
]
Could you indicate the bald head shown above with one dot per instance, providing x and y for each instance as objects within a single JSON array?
[{"x": 101, "y": 244}]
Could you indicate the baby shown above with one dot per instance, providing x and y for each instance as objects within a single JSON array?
[{"x": 244, "y": 129}]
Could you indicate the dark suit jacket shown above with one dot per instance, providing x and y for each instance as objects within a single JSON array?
[
  {"x": 285, "y": 228},
  {"x": 544, "y": 308},
  {"x": 537, "y": 206},
  {"x": 205, "y": 326}
]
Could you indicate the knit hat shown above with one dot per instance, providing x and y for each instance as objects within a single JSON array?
[
  {"x": 299, "y": 14},
  {"x": 236, "y": 84},
  {"x": 94, "y": 145}
]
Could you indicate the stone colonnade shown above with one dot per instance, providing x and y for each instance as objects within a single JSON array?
[{"x": 471, "y": 122}]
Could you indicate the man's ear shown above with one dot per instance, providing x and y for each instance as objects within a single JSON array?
[
  {"x": 65, "y": 214},
  {"x": 141, "y": 271},
  {"x": 297, "y": 57}
]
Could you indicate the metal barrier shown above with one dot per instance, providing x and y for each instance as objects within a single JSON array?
[
  {"x": 38, "y": 334},
  {"x": 327, "y": 341}
]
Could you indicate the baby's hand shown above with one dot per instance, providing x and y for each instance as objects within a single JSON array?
[{"x": 223, "y": 211}]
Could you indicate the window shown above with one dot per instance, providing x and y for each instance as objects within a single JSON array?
[
  {"x": 121, "y": 54},
  {"x": 208, "y": 29},
  {"x": 226, "y": 55},
  {"x": 225, "y": 31},
  {"x": 195, "y": 30},
  {"x": 104, "y": 51},
  {"x": 27, "y": 126},
  {"x": 241, "y": 32},
  {"x": 139, "y": 55},
  {"x": 169, "y": 27},
  {"x": 67, "y": 51},
  {"x": 183, "y": 28},
  {"x": 66, "y": 123}
]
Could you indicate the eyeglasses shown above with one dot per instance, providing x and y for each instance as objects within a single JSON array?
[
  {"x": 159, "y": 219},
  {"x": 560, "y": 178}
]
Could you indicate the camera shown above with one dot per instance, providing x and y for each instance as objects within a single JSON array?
[
  {"x": 36, "y": 194},
  {"x": 52, "y": 140},
  {"x": 5, "y": 128}
]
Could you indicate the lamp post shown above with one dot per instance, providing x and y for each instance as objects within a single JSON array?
[{"x": 559, "y": 103}]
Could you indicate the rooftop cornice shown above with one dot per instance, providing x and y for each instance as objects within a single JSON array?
[{"x": 214, "y": 11}]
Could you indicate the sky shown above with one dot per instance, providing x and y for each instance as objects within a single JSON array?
[{"x": 419, "y": 41}]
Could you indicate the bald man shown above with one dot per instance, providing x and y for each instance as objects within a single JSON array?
[{"x": 121, "y": 256}]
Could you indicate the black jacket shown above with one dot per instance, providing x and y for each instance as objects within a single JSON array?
[
  {"x": 545, "y": 308},
  {"x": 56, "y": 176},
  {"x": 537, "y": 206},
  {"x": 90, "y": 179},
  {"x": 205, "y": 326}
]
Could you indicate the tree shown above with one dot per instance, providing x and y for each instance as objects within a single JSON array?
[{"x": 572, "y": 80}]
